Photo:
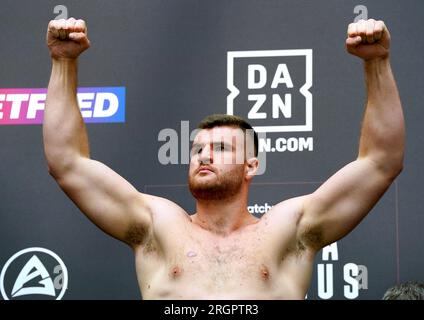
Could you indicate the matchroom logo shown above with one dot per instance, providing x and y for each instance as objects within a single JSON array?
[
  {"x": 34, "y": 273},
  {"x": 271, "y": 89}
]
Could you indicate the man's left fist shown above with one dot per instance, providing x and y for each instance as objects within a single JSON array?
[{"x": 368, "y": 39}]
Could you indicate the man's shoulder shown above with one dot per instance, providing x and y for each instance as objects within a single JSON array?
[
  {"x": 289, "y": 209},
  {"x": 162, "y": 207}
]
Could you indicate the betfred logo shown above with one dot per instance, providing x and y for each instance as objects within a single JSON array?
[
  {"x": 34, "y": 273},
  {"x": 271, "y": 89},
  {"x": 22, "y": 106}
]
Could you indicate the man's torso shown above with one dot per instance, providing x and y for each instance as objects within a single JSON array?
[{"x": 180, "y": 260}]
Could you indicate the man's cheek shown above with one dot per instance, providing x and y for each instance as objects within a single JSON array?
[{"x": 234, "y": 159}]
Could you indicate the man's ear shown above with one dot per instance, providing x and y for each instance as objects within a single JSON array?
[{"x": 252, "y": 165}]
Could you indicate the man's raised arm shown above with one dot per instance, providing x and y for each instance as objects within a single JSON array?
[
  {"x": 105, "y": 197},
  {"x": 344, "y": 200}
]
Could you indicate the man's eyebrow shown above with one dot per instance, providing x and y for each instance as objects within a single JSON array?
[
  {"x": 195, "y": 145},
  {"x": 220, "y": 142}
]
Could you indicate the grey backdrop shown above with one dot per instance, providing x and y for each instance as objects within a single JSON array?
[{"x": 172, "y": 58}]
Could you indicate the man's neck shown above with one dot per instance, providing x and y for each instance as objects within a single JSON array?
[{"x": 223, "y": 216}]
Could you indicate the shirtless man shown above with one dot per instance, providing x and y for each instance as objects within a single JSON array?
[{"x": 222, "y": 251}]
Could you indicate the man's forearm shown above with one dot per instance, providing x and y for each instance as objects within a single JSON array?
[
  {"x": 383, "y": 133},
  {"x": 64, "y": 131}
]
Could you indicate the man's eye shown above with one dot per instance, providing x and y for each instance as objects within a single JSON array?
[
  {"x": 219, "y": 147},
  {"x": 196, "y": 150}
]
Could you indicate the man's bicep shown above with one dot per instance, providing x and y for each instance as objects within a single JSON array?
[
  {"x": 340, "y": 204},
  {"x": 108, "y": 200}
]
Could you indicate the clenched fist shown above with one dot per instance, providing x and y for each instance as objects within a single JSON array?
[
  {"x": 67, "y": 38},
  {"x": 368, "y": 39}
]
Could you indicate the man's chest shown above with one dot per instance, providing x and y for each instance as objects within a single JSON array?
[
  {"x": 253, "y": 261},
  {"x": 224, "y": 261},
  {"x": 248, "y": 258}
]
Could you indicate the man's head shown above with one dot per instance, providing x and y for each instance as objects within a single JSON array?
[
  {"x": 406, "y": 291},
  {"x": 223, "y": 157}
]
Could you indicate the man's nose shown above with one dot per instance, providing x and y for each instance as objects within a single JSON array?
[{"x": 206, "y": 156}]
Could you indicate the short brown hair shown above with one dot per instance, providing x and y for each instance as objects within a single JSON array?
[
  {"x": 225, "y": 120},
  {"x": 411, "y": 290}
]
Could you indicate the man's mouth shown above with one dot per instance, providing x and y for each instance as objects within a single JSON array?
[{"x": 204, "y": 169}]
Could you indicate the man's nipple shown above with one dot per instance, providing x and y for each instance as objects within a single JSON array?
[
  {"x": 264, "y": 272},
  {"x": 175, "y": 272}
]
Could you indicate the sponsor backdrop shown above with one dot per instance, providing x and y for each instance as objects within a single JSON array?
[{"x": 164, "y": 65}]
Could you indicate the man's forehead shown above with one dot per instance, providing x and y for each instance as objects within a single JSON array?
[{"x": 225, "y": 134}]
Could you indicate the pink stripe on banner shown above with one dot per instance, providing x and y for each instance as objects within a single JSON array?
[
  {"x": 14, "y": 105},
  {"x": 22, "y": 106}
]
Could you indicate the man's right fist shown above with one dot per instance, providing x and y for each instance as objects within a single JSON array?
[{"x": 67, "y": 38}]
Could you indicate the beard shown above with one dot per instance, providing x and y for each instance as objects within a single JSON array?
[{"x": 221, "y": 187}]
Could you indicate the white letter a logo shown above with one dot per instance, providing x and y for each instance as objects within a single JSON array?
[{"x": 26, "y": 275}]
